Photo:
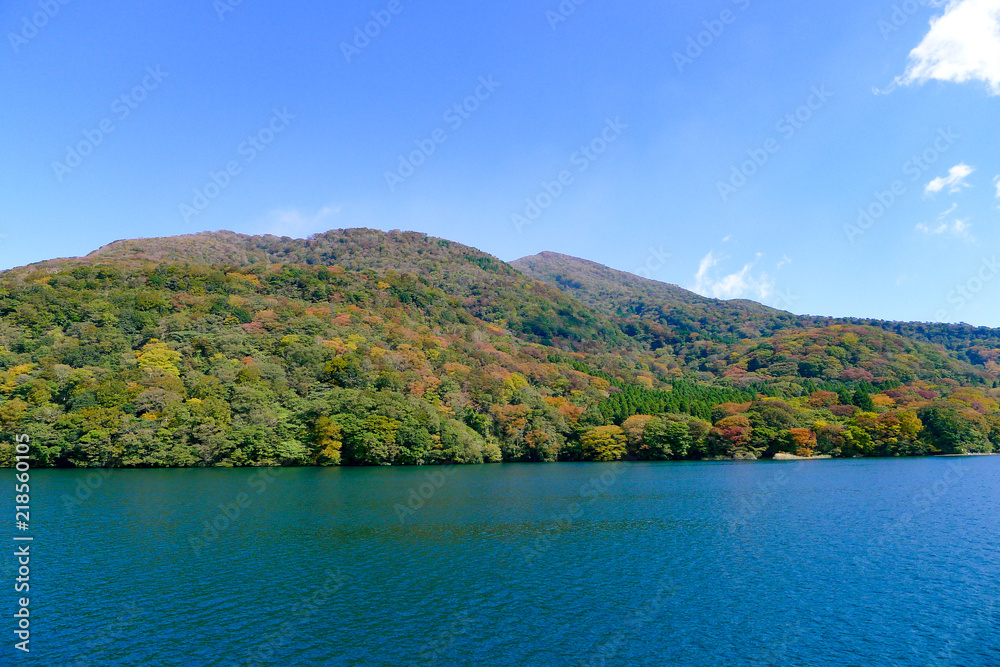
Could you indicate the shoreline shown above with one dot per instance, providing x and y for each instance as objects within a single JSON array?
[
  {"x": 777, "y": 458},
  {"x": 781, "y": 456}
]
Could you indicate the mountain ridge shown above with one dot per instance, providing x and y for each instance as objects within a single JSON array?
[{"x": 362, "y": 347}]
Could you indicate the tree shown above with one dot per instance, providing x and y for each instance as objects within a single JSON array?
[
  {"x": 829, "y": 438},
  {"x": 771, "y": 421},
  {"x": 948, "y": 431},
  {"x": 667, "y": 438},
  {"x": 857, "y": 441},
  {"x": 863, "y": 400},
  {"x": 802, "y": 441},
  {"x": 327, "y": 435},
  {"x": 731, "y": 436},
  {"x": 372, "y": 440},
  {"x": 605, "y": 443},
  {"x": 634, "y": 428},
  {"x": 157, "y": 355}
]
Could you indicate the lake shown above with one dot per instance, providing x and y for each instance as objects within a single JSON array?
[{"x": 845, "y": 562}]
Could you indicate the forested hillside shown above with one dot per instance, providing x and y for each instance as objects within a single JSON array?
[
  {"x": 360, "y": 347},
  {"x": 661, "y": 314}
]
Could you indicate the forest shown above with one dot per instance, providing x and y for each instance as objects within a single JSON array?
[{"x": 359, "y": 347}]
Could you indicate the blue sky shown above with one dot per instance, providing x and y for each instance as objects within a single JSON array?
[{"x": 728, "y": 146}]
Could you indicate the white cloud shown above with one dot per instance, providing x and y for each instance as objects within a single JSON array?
[
  {"x": 959, "y": 227},
  {"x": 954, "y": 207},
  {"x": 785, "y": 260},
  {"x": 963, "y": 44},
  {"x": 954, "y": 181},
  {"x": 706, "y": 263},
  {"x": 996, "y": 182},
  {"x": 293, "y": 222},
  {"x": 742, "y": 284}
]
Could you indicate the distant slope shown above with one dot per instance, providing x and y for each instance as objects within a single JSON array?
[
  {"x": 662, "y": 314},
  {"x": 620, "y": 294}
]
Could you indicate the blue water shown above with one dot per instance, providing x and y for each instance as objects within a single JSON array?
[{"x": 853, "y": 562}]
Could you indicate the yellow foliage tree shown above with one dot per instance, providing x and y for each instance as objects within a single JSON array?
[
  {"x": 605, "y": 443},
  {"x": 155, "y": 354},
  {"x": 9, "y": 377},
  {"x": 328, "y": 440},
  {"x": 634, "y": 428}
]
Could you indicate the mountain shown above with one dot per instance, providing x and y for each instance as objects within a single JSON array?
[
  {"x": 666, "y": 315},
  {"x": 360, "y": 347},
  {"x": 486, "y": 287}
]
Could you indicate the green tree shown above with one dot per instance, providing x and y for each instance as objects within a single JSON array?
[
  {"x": 372, "y": 440},
  {"x": 947, "y": 431},
  {"x": 667, "y": 438},
  {"x": 863, "y": 400}
]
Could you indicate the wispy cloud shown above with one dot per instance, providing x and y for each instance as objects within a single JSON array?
[
  {"x": 945, "y": 214},
  {"x": 959, "y": 227},
  {"x": 293, "y": 222},
  {"x": 785, "y": 261},
  {"x": 954, "y": 181},
  {"x": 963, "y": 44},
  {"x": 996, "y": 182},
  {"x": 741, "y": 284}
]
